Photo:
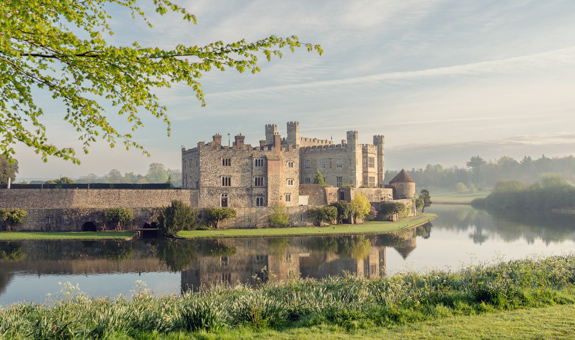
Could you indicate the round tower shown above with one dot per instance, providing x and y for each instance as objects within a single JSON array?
[{"x": 403, "y": 186}]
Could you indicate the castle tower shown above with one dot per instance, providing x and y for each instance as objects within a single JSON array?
[
  {"x": 293, "y": 133},
  {"x": 352, "y": 140},
  {"x": 271, "y": 130},
  {"x": 378, "y": 142}
]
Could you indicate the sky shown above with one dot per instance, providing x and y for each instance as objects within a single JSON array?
[{"x": 442, "y": 80}]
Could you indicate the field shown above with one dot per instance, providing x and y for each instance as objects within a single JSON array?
[{"x": 445, "y": 196}]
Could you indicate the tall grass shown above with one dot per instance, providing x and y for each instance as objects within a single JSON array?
[{"x": 348, "y": 301}]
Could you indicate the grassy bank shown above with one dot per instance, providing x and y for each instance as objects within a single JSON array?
[
  {"x": 366, "y": 228},
  {"x": 402, "y": 304},
  {"x": 445, "y": 196},
  {"x": 59, "y": 235}
]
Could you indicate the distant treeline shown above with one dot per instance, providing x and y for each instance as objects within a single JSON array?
[
  {"x": 480, "y": 173},
  {"x": 157, "y": 173},
  {"x": 551, "y": 192}
]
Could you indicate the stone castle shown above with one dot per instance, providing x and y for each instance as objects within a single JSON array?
[{"x": 278, "y": 170}]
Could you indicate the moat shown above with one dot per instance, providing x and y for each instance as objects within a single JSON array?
[{"x": 30, "y": 270}]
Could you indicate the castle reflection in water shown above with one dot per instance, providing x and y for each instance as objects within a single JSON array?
[{"x": 203, "y": 263}]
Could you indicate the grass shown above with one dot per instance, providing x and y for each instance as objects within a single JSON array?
[
  {"x": 452, "y": 197},
  {"x": 63, "y": 235},
  {"x": 366, "y": 228},
  {"x": 555, "y": 322},
  {"x": 488, "y": 300}
]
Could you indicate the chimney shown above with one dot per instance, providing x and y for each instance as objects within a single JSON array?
[
  {"x": 262, "y": 143},
  {"x": 239, "y": 141},
  {"x": 218, "y": 138}
]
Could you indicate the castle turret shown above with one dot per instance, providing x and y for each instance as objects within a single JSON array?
[
  {"x": 403, "y": 185},
  {"x": 378, "y": 142},
  {"x": 271, "y": 130},
  {"x": 293, "y": 133},
  {"x": 352, "y": 140}
]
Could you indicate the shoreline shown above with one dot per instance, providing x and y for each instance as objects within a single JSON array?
[{"x": 369, "y": 228}]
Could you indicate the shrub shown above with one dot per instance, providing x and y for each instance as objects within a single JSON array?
[
  {"x": 391, "y": 208},
  {"x": 372, "y": 213},
  {"x": 460, "y": 187},
  {"x": 215, "y": 215},
  {"x": 324, "y": 214},
  {"x": 279, "y": 218},
  {"x": 12, "y": 216},
  {"x": 119, "y": 216},
  {"x": 176, "y": 217},
  {"x": 344, "y": 211}
]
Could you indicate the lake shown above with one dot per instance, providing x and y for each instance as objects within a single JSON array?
[{"x": 461, "y": 235}]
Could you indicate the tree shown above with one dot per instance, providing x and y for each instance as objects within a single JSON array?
[
  {"x": 60, "y": 47},
  {"x": 61, "y": 180},
  {"x": 360, "y": 206},
  {"x": 7, "y": 169},
  {"x": 424, "y": 195},
  {"x": 476, "y": 163},
  {"x": 176, "y": 217},
  {"x": 215, "y": 215},
  {"x": 157, "y": 173},
  {"x": 318, "y": 179},
  {"x": 279, "y": 218},
  {"x": 460, "y": 187},
  {"x": 119, "y": 216}
]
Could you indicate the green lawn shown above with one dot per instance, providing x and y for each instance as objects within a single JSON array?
[
  {"x": 556, "y": 322},
  {"x": 61, "y": 235},
  {"x": 448, "y": 196},
  {"x": 366, "y": 228}
]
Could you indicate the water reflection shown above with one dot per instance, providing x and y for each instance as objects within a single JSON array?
[
  {"x": 507, "y": 226},
  {"x": 192, "y": 264}
]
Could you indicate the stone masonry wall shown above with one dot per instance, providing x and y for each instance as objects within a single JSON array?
[{"x": 89, "y": 198}]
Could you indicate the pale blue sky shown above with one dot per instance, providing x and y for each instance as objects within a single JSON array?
[{"x": 443, "y": 80}]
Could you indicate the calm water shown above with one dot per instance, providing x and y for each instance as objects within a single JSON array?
[{"x": 31, "y": 270}]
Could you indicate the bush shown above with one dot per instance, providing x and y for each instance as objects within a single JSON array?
[
  {"x": 279, "y": 218},
  {"x": 176, "y": 217},
  {"x": 324, "y": 214},
  {"x": 460, "y": 187},
  {"x": 12, "y": 216},
  {"x": 119, "y": 216},
  {"x": 391, "y": 208},
  {"x": 344, "y": 211},
  {"x": 215, "y": 215}
]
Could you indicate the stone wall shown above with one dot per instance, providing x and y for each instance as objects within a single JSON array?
[
  {"x": 259, "y": 217},
  {"x": 89, "y": 198}
]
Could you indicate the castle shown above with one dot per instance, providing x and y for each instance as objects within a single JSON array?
[{"x": 278, "y": 170}]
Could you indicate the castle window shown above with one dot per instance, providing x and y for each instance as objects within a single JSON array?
[
  {"x": 290, "y": 164},
  {"x": 339, "y": 163},
  {"x": 371, "y": 181},
  {"x": 290, "y": 182},
  {"x": 259, "y": 201},
  {"x": 259, "y": 181},
  {"x": 226, "y": 181},
  {"x": 260, "y": 162},
  {"x": 321, "y": 164},
  {"x": 371, "y": 162},
  {"x": 288, "y": 257},
  {"x": 307, "y": 180},
  {"x": 339, "y": 181},
  {"x": 226, "y": 161},
  {"x": 226, "y": 277},
  {"x": 224, "y": 201},
  {"x": 365, "y": 180},
  {"x": 224, "y": 261},
  {"x": 288, "y": 197},
  {"x": 307, "y": 164}
]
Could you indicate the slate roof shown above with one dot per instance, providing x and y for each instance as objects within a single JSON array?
[{"x": 402, "y": 177}]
